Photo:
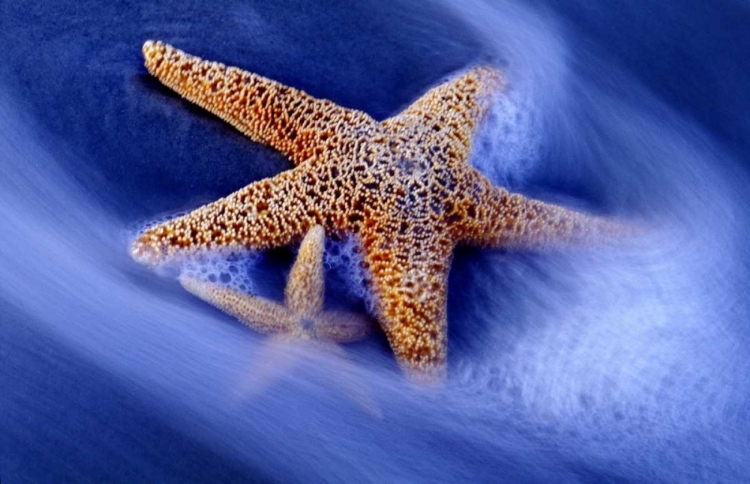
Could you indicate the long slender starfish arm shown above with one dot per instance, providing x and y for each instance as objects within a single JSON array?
[
  {"x": 450, "y": 112},
  {"x": 511, "y": 220},
  {"x": 258, "y": 313},
  {"x": 293, "y": 122},
  {"x": 305, "y": 288},
  {"x": 341, "y": 327},
  {"x": 409, "y": 281},
  {"x": 273, "y": 360},
  {"x": 351, "y": 381},
  {"x": 277, "y": 357},
  {"x": 265, "y": 214}
]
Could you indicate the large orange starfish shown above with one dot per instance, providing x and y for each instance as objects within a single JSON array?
[{"x": 402, "y": 186}]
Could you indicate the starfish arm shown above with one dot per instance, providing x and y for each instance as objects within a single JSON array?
[
  {"x": 450, "y": 112},
  {"x": 305, "y": 288},
  {"x": 273, "y": 360},
  {"x": 258, "y": 313},
  {"x": 349, "y": 377},
  {"x": 409, "y": 281},
  {"x": 341, "y": 327},
  {"x": 509, "y": 220},
  {"x": 265, "y": 214},
  {"x": 293, "y": 122}
]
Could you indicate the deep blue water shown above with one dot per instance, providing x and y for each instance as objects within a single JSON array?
[{"x": 596, "y": 366}]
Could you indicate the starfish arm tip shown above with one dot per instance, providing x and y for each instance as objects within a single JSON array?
[
  {"x": 153, "y": 53},
  {"x": 145, "y": 253},
  {"x": 342, "y": 327},
  {"x": 148, "y": 45},
  {"x": 433, "y": 378},
  {"x": 305, "y": 289}
]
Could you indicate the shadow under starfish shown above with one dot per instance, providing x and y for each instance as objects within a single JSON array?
[
  {"x": 300, "y": 320},
  {"x": 402, "y": 186}
]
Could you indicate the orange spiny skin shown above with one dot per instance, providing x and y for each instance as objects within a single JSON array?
[{"x": 403, "y": 186}]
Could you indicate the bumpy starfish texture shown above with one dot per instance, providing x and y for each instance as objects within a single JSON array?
[
  {"x": 302, "y": 315},
  {"x": 402, "y": 186}
]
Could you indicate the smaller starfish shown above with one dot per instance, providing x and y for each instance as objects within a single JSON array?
[
  {"x": 302, "y": 315},
  {"x": 300, "y": 319}
]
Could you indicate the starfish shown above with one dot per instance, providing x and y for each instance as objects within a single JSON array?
[
  {"x": 301, "y": 319},
  {"x": 402, "y": 186}
]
